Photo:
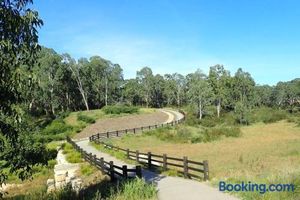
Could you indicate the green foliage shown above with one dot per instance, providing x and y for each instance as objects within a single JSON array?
[
  {"x": 118, "y": 109},
  {"x": 186, "y": 134},
  {"x": 57, "y": 126},
  {"x": 86, "y": 169},
  {"x": 85, "y": 118},
  {"x": 268, "y": 115},
  {"x": 136, "y": 189},
  {"x": 72, "y": 155}
]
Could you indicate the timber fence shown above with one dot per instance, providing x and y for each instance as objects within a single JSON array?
[{"x": 108, "y": 167}]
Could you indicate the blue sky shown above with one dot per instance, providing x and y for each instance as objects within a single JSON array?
[{"x": 260, "y": 36}]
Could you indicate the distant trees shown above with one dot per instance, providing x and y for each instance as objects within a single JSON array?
[
  {"x": 218, "y": 79},
  {"x": 61, "y": 83},
  {"x": 199, "y": 91}
]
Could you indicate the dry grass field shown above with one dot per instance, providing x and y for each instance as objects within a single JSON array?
[{"x": 265, "y": 153}]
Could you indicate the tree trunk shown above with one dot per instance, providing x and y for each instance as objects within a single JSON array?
[
  {"x": 106, "y": 91},
  {"x": 178, "y": 98},
  {"x": 200, "y": 109},
  {"x": 85, "y": 101},
  {"x": 218, "y": 108}
]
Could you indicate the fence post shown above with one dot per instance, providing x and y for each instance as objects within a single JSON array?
[
  {"x": 155, "y": 125},
  {"x": 102, "y": 163},
  {"x": 138, "y": 171},
  {"x": 127, "y": 153},
  {"x": 185, "y": 167},
  {"x": 111, "y": 170},
  {"x": 149, "y": 160},
  {"x": 164, "y": 162},
  {"x": 133, "y": 130},
  {"x": 91, "y": 157},
  {"x": 107, "y": 134},
  {"x": 95, "y": 160},
  {"x": 206, "y": 170},
  {"x": 126, "y": 131},
  {"x": 124, "y": 168},
  {"x": 149, "y": 127},
  {"x": 137, "y": 154},
  {"x": 142, "y": 128},
  {"x": 98, "y": 136},
  {"x": 117, "y": 133}
]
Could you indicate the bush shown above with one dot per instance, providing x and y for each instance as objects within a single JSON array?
[
  {"x": 134, "y": 190},
  {"x": 85, "y": 118},
  {"x": 120, "y": 109},
  {"x": 216, "y": 133},
  {"x": 57, "y": 126},
  {"x": 72, "y": 155},
  {"x": 86, "y": 169},
  {"x": 268, "y": 115}
]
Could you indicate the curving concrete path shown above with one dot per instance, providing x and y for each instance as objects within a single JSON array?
[{"x": 169, "y": 188}]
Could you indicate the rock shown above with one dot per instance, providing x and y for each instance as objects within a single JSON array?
[
  {"x": 51, "y": 188},
  {"x": 60, "y": 177},
  {"x": 60, "y": 184},
  {"x": 50, "y": 182},
  {"x": 76, "y": 184}
]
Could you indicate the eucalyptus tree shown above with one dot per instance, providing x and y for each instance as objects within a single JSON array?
[
  {"x": 18, "y": 48},
  {"x": 157, "y": 98},
  {"x": 199, "y": 91},
  {"x": 77, "y": 70},
  {"x": 170, "y": 89},
  {"x": 132, "y": 93},
  {"x": 218, "y": 80},
  {"x": 243, "y": 89},
  {"x": 145, "y": 79}
]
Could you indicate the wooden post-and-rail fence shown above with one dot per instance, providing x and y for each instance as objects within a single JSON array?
[
  {"x": 188, "y": 168},
  {"x": 109, "y": 168},
  {"x": 119, "y": 133}
]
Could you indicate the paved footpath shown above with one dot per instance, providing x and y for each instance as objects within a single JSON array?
[{"x": 169, "y": 188}]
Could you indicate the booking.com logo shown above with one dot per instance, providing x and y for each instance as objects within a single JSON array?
[{"x": 254, "y": 187}]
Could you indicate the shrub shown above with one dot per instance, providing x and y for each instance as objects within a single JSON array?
[
  {"x": 216, "y": 133},
  {"x": 57, "y": 126},
  {"x": 72, "y": 155},
  {"x": 120, "y": 109},
  {"x": 268, "y": 115},
  {"x": 85, "y": 118},
  {"x": 86, "y": 169},
  {"x": 134, "y": 190}
]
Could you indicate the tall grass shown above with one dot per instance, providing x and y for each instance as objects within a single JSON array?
[
  {"x": 72, "y": 156},
  {"x": 136, "y": 189}
]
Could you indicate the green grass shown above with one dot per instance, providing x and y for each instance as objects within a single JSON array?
[
  {"x": 72, "y": 156},
  {"x": 118, "y": 109},
  {"x": 136, "y": 189},
  {"x": 85, "y": 118}
]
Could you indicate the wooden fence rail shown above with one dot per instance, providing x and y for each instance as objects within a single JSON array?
[
  {"x": 189, "y": 168},
  {"x": 108, "y": 167},
  {"x": 119, "y": 133}
]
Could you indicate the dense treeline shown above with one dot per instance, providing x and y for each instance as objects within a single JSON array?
[{"x": 62, "y": 84}]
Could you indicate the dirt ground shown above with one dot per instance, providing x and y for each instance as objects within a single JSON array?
[{"x": 126, "y": 122}]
